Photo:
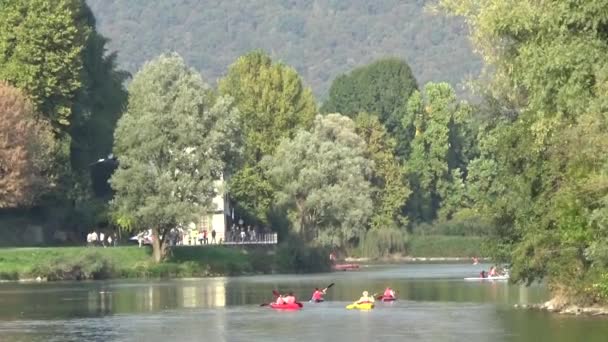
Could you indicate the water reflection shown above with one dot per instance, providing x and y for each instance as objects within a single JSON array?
[{"x": 435, "y": 304}]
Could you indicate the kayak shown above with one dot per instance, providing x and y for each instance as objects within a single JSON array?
[
  {"x": 292, "y": 306},
  {"x": 345, "y": 267},
  {"x": 317, "y": 300},
  {"x": 505, "y": 277},
  {"x": 361, "y": 306},
  {"x": 388, "y": 299}
]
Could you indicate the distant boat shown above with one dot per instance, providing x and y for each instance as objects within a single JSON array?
[
  {"x": 345, "y": 267},
  {"x": 496, "y": 278}
]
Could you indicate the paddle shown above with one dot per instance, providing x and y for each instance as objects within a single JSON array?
[
  {"x": 325, "y": 289},
  {"x": 274, "y": 293}
]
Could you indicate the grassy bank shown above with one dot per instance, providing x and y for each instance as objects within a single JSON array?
[
  {"x": 78, "y": 263},
  {"x": 445, "y": 246}
]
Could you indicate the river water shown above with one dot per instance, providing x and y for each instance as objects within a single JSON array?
[{"x": 435, "y": 304}]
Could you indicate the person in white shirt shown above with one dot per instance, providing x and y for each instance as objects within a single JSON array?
[
  {"x": 102, "y": 239},
  {"x": 94, "y": 238}
]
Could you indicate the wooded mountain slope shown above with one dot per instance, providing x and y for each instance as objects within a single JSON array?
[{"x": 320, "y": 38}]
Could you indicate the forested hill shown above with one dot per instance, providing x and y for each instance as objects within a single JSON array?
[{"x": 320, "y": 38}]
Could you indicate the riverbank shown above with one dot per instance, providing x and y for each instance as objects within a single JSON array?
[
  {"x": 81, "y": 263},
  {"x": 560, "y": 307},
  {"x": 430, "y": 248}
]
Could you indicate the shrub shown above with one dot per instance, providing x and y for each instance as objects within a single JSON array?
[
  {"x": 382, "y": 242},
  {"x": 294, "y": 256}
]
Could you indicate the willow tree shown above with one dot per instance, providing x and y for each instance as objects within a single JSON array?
[
  {"x": 321, "y": 179},
  {"x": 173, "y": 143}
]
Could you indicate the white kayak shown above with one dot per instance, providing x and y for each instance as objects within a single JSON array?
[{"x": 502, "y": 277}]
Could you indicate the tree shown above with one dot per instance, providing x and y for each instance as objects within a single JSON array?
[
  {"x": 98, "y": 103},
  {"x": 547, "y": 165},
  {"x": 439, "y": 151},
  {"x": 272, "y": 100},
  {"x": 26, "y": 151},
  {"x": 381, "y": 88},
  {"x": 274, "y": 104},
  {"x": 41, "y": 44},
  {"x": 390, "y": 190},
  {"x": 321, "y": 180},
  {"x": 389, "y": 178},
  {"x": 173, "y": 143}
]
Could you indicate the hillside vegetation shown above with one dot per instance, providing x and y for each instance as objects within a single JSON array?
[{"x": 321, "y": 39}]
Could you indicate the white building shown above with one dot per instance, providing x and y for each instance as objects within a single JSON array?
[{"x": 215, "y": 220}]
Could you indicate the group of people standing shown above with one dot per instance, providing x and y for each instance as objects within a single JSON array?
[
  {"x": 101, "y": 239},
  {"x": 241, "y": 234}
]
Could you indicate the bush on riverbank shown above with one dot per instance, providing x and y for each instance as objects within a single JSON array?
[
  {"x": 80, "y": 263},
  {"x": 383, "y": 242},
  {"x": 294, "y": 255},
  {"x": 445, "y": 246}
]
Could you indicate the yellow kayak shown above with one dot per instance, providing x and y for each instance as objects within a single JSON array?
[{"x": 362, "y": 306}]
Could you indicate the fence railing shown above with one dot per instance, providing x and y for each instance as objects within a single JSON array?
[{"x": 261, "y": 239}]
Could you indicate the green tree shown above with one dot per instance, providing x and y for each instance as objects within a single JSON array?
[
  {"x": 321, "y": 180},
  {"x": 439, "y": 150},
  {"x": 173, "y": 143},
  {"x": 548, "y": 163},
  {"x": 41, "y": 45},
  {"x": 274, "y": 104},
  {"x": 381, "y": 88},
  {"x": 389, "y": 178},
  {"x": 273, "y": 101},
  {"x": 99, "y": 102}
]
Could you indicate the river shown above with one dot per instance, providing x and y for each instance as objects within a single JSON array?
[{"x": 435, "y": 304}]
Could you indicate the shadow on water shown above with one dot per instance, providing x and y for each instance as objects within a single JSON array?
[{"x": 435, "y": 304}]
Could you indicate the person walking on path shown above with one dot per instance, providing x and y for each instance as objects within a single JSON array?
[{"x": 213, "y": 236}]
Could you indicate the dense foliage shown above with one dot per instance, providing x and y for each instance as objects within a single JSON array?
[
  {"x": 52, "y": 53},
  {"x": 173, "y": 142},
  {"x": 321, "y": 181},
  {"x": 542, "y": 174},
  {"x": 321, "y": 39},
  {"x": 27, "y": 148},
  {"x": 439, "y": 152},
  {"x": 41, "y": 44},
  {"x": 274, "y": 104}
]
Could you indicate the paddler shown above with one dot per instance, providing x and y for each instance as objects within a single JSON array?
[
  {"x": 280, "y": 300},
  {"x": 366, "y": 298},
  {"x": 388, "y": 293},
  {"x": 317, "y": 296},
  {"x": 290, "y": 298}
]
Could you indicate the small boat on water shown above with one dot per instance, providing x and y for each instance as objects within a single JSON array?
[
  {"x": 388, "y": 299},
  {"x": 360, "y": 306},
  {"x": 495, "y": 278},
  {"x": 286, "y": 306},
  {"x": 345, "y": 267}
]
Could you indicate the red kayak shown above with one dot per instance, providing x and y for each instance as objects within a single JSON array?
[
  {"x": 388, "y": 299},
  {"x": 292, "y": 306},
  {"x": 345, "y": 267}
]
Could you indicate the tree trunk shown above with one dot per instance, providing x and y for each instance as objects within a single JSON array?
[{"x": 158, "y": 250}]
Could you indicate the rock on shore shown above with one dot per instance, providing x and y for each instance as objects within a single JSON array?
[{"x": 561, "y": 307}]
